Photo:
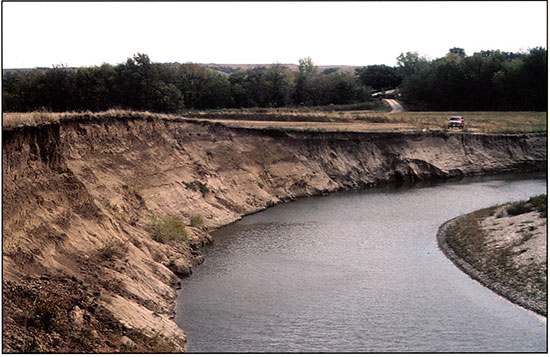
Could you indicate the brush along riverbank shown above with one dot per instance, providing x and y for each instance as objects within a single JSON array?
[
  {"x": 504, "y": 248},
  {"x": 100, "y": 211}
]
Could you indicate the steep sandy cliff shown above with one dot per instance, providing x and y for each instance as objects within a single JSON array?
[{"x": 79, "y": 197}]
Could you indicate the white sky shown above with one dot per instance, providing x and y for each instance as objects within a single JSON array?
[{"x": 331, "y": 33}]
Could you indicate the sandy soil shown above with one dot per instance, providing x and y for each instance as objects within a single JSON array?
[{"x": 506, "y": 253}]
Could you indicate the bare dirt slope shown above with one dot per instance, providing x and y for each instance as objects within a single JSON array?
[{"x": 81, "y": 268}]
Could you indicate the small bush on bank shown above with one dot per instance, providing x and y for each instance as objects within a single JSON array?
[
  {"x": 538, "y": 203},
  {"x": 541, "y": 204},
  {"x": 197, "y": 220},
  {"x": 168, "y": 228},
  {"x": 198, "y": 186},
  {"x": 112, "y": 250},
  {"x": 518, "y": 208},
  {"x": 45, "y": 312},
  {"x": 114, "y": 285}
]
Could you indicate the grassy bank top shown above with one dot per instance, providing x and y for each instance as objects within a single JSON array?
[{"x": 313, "y": 120}]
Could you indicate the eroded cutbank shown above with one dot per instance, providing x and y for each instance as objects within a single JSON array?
[{"x": 83, "y": 267}]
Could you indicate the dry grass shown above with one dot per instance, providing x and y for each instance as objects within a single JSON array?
[
  {"x": 312, "y": 120},
  {"x": 168, "y": 228},
  {"x": 14, "y": 120},
  {"x": 480, "y": 122},
  {"x": 485, "y": 122},
  {"x": 312, "y": 126}
]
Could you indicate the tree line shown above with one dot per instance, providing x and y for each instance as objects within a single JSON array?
[
  {"x": 140, "y": 84},
  {"x": 487, "y": 80}
]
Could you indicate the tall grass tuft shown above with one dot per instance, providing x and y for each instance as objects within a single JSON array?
[
  {"x": 168, "y": 228},
  {"x": 197, "y": 220}
]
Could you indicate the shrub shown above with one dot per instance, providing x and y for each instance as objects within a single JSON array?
[
  {"x": 106, "y": 298},
  {"x": 44, "y": 313},
  {"x": 541, "y": 204},
  {"x": 114, "y": 285},
  {"x": 518, "y": 208},
  {"x": 168, "y": 228},
  {"x": 538, "y": 203},
  {"x": 112, "y": 250},
  {"x": 198, "y": 186},
  {"x": 197, "y": 220}
]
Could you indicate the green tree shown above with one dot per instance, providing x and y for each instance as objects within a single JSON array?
[
  {"x": 95, "y": 87},
  {"x": 140, "y": 86},
  {"x": 307, "y": 71},
  {"x": 59, "y": 88},
  {"x": 379, "y": 77},
  {"x": 459, "y": 52},
  {"x": 202, "y": 88},
  {"x": 278, "y": 86},
  {"x": 411, "y": 63},
  {"x": 416, "y": 84}
]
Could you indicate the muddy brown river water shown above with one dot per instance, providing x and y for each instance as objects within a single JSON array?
[{"x": 358, "y": 271}]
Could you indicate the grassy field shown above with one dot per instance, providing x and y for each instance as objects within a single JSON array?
[{"x": 320, "y": 119}]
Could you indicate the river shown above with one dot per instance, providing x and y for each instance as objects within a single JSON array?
[{"x": 357, "y": 271}]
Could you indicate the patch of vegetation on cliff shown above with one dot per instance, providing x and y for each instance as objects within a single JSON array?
[
  {"x": 112, "y": 249},
  {"x": 44, "y": 312},
  {"x": 198, "y": 186},
  {"x": 197, "y": 220},
  {"x": 168, "y": 228}
]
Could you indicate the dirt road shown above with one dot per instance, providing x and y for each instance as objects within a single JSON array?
[{"x": 396, "y": 107}]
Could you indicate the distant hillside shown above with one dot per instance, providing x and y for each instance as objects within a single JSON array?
[
  {"x": 230, "y": 68},
  {"x": 223, "y": 68}
]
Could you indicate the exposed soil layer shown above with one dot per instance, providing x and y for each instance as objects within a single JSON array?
[
  {"x": 79, "y": 197},
  {"x": 504, "y": 252}
]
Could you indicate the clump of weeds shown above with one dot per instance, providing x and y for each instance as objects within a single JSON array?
[
  {"x": 45, "y": 312},
  {"x": 541, "y": 204},
  {"x": 112, "y": 250},
  {"x": 168, "y": 228},
  {"x": 114, "y": 285},
  {"x": 518, "y": 208},
  {"x": 198, "y": 186},
  {"x": 538, "y": 203},
  {"x": 197, "y": 220}
]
